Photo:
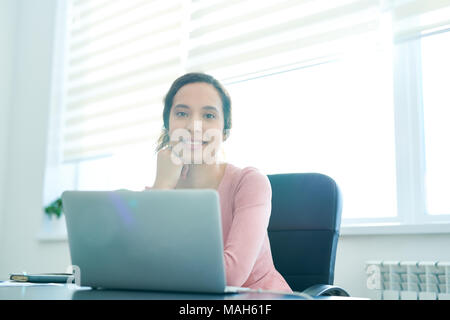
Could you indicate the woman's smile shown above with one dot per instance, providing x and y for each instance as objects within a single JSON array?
[{"x": 194, "y": 144}]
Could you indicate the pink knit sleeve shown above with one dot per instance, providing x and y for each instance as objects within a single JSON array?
[{"x": 251, "y": 214}]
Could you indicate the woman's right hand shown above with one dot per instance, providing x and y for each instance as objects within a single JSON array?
[{"x": 169, "y": 169}]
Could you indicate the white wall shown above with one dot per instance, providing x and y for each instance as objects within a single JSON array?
[
  {"x": 7, "y": 42},
  {"x": 354, "y": 250},
  {"x": 26, "y": 33},
  {"x": 29, "y": 29}
]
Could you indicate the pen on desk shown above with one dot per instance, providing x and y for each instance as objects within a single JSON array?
[{"x": 41, "y": 278}]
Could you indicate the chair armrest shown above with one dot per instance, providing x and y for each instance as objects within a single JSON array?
[{"x": 326, "y": 290}]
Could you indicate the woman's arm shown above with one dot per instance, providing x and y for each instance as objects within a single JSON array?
[{"x": 252, "y": 208}]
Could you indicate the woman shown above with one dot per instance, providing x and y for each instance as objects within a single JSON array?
[{"x": 197, "y": 108}]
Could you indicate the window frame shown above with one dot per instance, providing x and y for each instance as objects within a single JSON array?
[{"x": 410, "y": 135}]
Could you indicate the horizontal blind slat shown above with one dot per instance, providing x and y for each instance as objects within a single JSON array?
[
  {"x": 318, "y": 20},
  {"x": 122, "y": 56},
  {"x": 138, "y": 30},
  {"x": 93, "y": 20},
  {"x": 82, "y": 121},
  {"x": 115, "y": 137},
  {"x": 119, "y": 90},
  {"x": 294, "y": 59},
  {"x": 74, "y": 118},
  {"x": 160, "y": 50},
  {"x": 146, "y": 40},
  {"x": 80, "y": 153},
  {"x": 118, "y": 102},
  {"x": 412, "y": 19},
  {"x": 418, "y": 7},
  {"x": 116, "y": 28},
  {"x": 278, "y": 48},
  {"x": 88, "y": 133},
  {"x": 95, "y": 80},
  {"x": 413, "y": 33},
  {"x": 88, "y": 6},
  {"x": 246, "y": 16},
  {"x": 202, "y": 9}
]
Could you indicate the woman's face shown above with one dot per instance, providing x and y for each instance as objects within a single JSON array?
[{"x": 197, "y": 121}]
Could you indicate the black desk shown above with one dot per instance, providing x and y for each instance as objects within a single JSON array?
[
  {"x": 171, "y": 305},
  {"x": 72, "y": 292}
]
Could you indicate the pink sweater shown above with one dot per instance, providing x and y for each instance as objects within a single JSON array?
[{"x": 245, "y": 200}]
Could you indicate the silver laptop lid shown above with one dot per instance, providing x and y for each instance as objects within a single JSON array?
[{"x": 151, "y": 240}]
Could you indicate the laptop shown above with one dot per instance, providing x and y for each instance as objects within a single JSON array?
[{"x": 158, "y": 240}]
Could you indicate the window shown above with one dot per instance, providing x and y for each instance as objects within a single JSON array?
[
  {"x": 335, "y": 118},
  {"x": 132, "y": 170},
  {"x": 349, "y": 88},
  {"x": 436, "y": 105}
]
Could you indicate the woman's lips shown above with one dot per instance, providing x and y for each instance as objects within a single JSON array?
[{"x": 195, "y": 144}]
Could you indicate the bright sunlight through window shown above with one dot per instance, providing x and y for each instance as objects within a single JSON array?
[{"x": 436, "y": 101}]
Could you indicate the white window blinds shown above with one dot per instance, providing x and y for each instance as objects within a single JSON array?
[
  {"x": 121, "y": 58},
  {"x": 415, "y": 18},
  {"x": 231, "y": 38},
  {"x": 123, "y": 55}
]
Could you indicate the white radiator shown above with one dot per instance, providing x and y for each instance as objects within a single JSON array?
[{"x": 409, "y": 280}]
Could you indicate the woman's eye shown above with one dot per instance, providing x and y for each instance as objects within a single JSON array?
[
  {"x": 210, "y": 116},
  {"x": 180, "y": 114}
]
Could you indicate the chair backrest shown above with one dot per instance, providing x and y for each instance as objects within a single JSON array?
[{"x": 304, "y": 227}]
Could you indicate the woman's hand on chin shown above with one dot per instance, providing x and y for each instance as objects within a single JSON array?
[{"x": 170, "y": 169}]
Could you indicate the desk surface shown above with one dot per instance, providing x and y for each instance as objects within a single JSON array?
[{"x": 72, "y": 292}]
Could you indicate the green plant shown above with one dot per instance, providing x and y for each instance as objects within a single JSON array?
[{"x": 55, "y": 208}]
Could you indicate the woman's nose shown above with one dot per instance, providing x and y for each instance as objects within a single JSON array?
[{"x": 194, "y": 126}]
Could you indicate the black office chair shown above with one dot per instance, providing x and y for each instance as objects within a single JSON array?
[{"x": 304, "y": 229}]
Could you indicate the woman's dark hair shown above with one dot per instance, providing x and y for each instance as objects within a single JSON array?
[{"x": 193, "y": 77}]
